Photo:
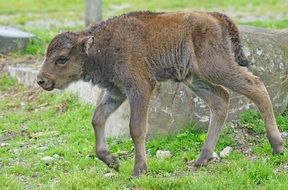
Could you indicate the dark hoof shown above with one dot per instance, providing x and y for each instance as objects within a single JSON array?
[
  {"x": 139, "y": 170},
  {"x": 193, "y": 165},
  {"x": 278, "y": 150},
  {"x": 114, "y": 164},
  {"x": 201, "y": 162},
  {"x": 109, "y": 160}
]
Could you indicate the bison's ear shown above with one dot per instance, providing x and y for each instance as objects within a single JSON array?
[{"x": 85, "y": 43}]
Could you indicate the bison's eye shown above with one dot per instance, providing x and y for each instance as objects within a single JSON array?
[{"x": 61, "y": 61}]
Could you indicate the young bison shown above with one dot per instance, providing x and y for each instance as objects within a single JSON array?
[{"x": 127, "y": 54}]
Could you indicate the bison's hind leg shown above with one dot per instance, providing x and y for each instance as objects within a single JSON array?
[
  {"x": 217, "y": 99},
  {"x": 229, "y": 74}
]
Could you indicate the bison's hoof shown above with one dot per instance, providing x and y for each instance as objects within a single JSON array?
[
  {"x": 114, "y": 164},
  {"x": 109, "y": 160},
  {"x": 200, "y": 162},
  {"x": 278, "y": 150},
  {"x": 139, "y": 169}
]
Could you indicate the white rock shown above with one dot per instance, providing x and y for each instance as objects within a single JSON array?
[
  {"x": 259, "y": 51},
  {"x": 42, "y": 148},
  {"x": 163, "y": 154},
  {"x": 284, "y": 134},
  {"x": 48, "y": 159},
  {"x": 56, "y": 156},
  {"x": 215, "y": 156},
  {"x": 109, "y": 175},
  {"x": 226, "y": 152},
  {"x": 90, "y": 156},
  {"x": 285, "y": 166},
  {"x": 4, "y": 144},
  {"x": 15, "y": 150}
]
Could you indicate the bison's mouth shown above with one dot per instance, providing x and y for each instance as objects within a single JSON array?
[{"x": 49, "y": 88}]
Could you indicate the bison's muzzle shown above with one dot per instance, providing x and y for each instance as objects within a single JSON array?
[{"x": 45, "y": 83}]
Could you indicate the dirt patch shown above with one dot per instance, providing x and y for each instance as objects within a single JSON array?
[
  {"x": 8, "y": 135},
  {"x": 245, "y": 139}
]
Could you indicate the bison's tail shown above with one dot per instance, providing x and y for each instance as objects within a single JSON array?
[{"x": 226, "y": 22}]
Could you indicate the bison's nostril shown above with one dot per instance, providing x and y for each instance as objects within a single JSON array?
[{"x": 40, "y": 82}]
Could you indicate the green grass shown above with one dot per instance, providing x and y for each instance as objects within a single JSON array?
[
  {"x": 38, "y": 45},
  {"x": 35, "y": 124},
  {"x": 52, "y": 6},
  {"x": 23, "y": 12},
  {"x": 6, "y": 82},
  {"x": 278, "y": 24},
  {"x": 252, "y": 120}
]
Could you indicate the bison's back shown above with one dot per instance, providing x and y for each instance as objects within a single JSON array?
[
  {"x": 166, "y": 45},
  {"x": 172, "y": 42}
]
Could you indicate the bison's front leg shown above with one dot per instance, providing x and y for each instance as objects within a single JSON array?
[
  {"x": 108, "y": 104},
  {"x": 139, "y": 100}
]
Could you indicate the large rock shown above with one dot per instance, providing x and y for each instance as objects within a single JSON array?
[
  {"x": 268, "y": 51},
  {"x": 173, "y": 105},
  {"x": 13, "y": 40}
]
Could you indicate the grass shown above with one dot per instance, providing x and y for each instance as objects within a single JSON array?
[
  {"x": 6, "y": 82},
  {"x": 34, "y": 124},
  {"x": 278, "y": 24},
  {"x": 47, "y": 18},
  {"x": 53, "y": 6}
]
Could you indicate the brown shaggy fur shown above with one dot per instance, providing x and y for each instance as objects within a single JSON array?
[{"x": 128, "y": 54}]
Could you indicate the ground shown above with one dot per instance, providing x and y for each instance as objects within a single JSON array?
[{"x": 47, "y": 142}]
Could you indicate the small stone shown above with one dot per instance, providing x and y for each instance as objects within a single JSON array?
[
  {"x": 246, "y": 51},
  {"x": 285, "y": 166},
  {"x": 48, "y": 159},
  {"x": 163, "y": 154},
  {"x": 284, "y": 134},
  {"x": 56, "y": 156},
  {"x": 4, "y": 144},
  {"x": 15, "y": 150},
  {"x": 281, "y": 66},
  {"x": 89, "y": 156},
  {"x": 215, "y": 156},
  {"x": 43, "y": 148},
  {"x": 109, "y": 175},
  {"x": 226, "y": 152},
  {"x": 259, "y": 51}
]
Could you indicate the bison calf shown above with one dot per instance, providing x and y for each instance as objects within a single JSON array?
[{"x": 128, "y": 54}]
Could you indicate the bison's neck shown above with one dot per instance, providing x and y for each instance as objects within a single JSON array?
[
  {"x": 99, "y": 66},
  {"x": 97, "y": 71}
]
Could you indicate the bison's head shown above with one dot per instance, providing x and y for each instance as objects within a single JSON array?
[{"x": 64, "y": 60}]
